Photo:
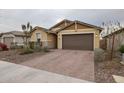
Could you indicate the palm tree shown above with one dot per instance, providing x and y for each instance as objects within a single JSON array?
[{"x": 26, "y": 29}]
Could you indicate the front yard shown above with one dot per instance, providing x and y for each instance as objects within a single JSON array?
[
  {"x": 104, "y": 70},
  {"x": 15, "y": 57},
  {"x": 80, "y": 65}
]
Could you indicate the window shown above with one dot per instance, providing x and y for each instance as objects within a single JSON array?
[{"x": 38, "y": 35}]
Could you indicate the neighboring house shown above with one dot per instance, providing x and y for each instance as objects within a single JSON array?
[
  {"x": 47, "y": 39},
  {"x": 15, "y": 37},
  {"x": 116, "y": 38},
  {"x": 69, "y": 35}
]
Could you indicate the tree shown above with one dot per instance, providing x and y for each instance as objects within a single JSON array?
[
  {"x": 109, "y": 28},
  {"x": 26, "y": 29}
]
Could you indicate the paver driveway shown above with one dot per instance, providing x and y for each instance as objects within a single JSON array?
[
  {"x": 15, "y": 73},
  {"x": 74, "y": 63}
]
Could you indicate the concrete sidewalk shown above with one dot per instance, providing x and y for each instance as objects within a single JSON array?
[{"x": 14, "y": 73}]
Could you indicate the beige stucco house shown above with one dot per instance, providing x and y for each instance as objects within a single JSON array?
[
  {"x": 69, "y": 35},
  {"x": 47, "y": 39},
  {"x": 15, "y": 37}
]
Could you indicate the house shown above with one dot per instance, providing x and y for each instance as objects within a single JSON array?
[
  {"x": 15, "y": 37},
  {"x": 116, "y": 38},
  {"x": 47, "y": 39},
  {"x": 69, "y": 35}
]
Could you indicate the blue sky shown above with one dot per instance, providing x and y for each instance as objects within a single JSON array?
[{"x": 12, "y": 19}]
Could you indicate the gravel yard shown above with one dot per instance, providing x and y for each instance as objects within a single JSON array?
[
  {"x": 105, "y": 70},
  {"x": 14, "y": 56}
]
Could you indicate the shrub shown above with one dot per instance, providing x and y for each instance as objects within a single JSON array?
[
  {"x": 31, "y": 44},
  {"x": 121, "y": 49},
  {"x": 99, "y": 55},
  {"x": 26, "y": 51},
  {"x": 38, "y": 49},
  {"x": 3, "y": 47},
  {"x": 46, "y": 49}
]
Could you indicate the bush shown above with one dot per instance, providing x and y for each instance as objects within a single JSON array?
[
  {"x": 37, "y": 49},
  {"x": 121, "y": 49},
  {"x": 99, "y": 55},
  {"x": 3, "y": 47},
  {"x": 31, "y": 44},
  {"x": 46, "y": 49},
  {"x": 26, "y": 51}
]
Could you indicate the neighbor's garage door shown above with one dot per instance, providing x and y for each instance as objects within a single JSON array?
[
  {"x": 78, "y": 41},
  {"x": 8, "y": 41}
]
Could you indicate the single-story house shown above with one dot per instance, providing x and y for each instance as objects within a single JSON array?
[
  {"x": 69, "y": 35},
  {"x": 15, "y": 37},
  {"x": 116, "y": 38},
  {"x": 47, "y": 39}
]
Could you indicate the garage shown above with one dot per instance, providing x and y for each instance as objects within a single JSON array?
[
  {"x": 78, "y": 41},
  {"x": 8, "y": 41}
]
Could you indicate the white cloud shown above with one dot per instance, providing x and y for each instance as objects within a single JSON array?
[{"x": 12, "y": 19}]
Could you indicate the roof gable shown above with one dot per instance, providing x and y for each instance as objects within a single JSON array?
[
  {"x": 63, "y": 23},
  {"x": 41, "y": 28},
  {"x": 81, "y": 25},
  {"x": 16, "y": 33}
]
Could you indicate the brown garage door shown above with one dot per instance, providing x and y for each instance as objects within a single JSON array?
[{"x": 78, "y": 41}]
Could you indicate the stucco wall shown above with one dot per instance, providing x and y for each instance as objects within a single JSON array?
[
  {"x": 16, "y": 39},
  {"x": 80, "y": 31},
  {"x": 7, "y": 35},
  {"x": 47, "y": 39},
  {"x": 52, "y": 40},
  {"x": 43, "y": 35}
]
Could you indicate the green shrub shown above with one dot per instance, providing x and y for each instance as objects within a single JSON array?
[
  {"x": 121, "y": 49},
  {"x": 37, "y": 49},
  {"x": 46, "y": 49},
  {"x": 31, "y": 44},
  {"x": 26, "y": 51}
]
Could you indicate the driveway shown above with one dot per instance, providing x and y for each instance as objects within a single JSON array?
[
  {"x": 73, "y": 63},
  {"x": 14, "y": 73}
]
